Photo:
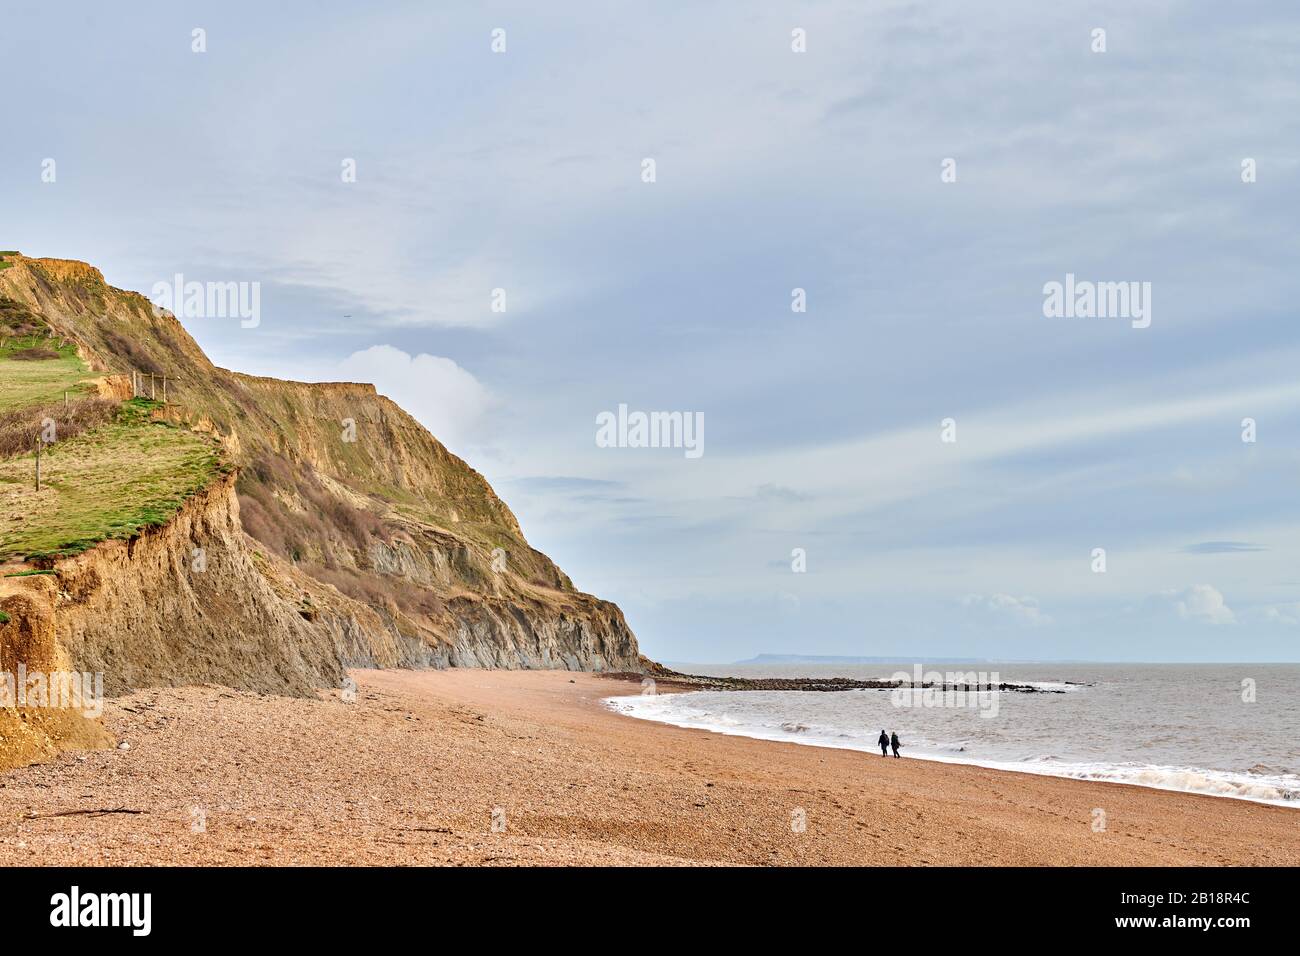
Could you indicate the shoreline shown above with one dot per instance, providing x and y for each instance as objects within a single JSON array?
[
  {"x": 417, "y": 770},
  {"x": 1000, "y": 766}
]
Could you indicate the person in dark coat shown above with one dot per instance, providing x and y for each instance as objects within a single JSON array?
[
  {"x": 884, "y": 744},
  {"x": 893, "y": 742}
]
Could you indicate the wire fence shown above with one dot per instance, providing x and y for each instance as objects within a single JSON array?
[{"x": 158, "y": 387}]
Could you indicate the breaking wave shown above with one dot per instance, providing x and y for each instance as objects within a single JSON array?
[{"x": 763, "y": 721}]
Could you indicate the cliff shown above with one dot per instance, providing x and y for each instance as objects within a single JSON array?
[{"x": 336, "y": 532}]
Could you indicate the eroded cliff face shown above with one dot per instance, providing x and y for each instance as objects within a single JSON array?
[
  {"x": 182, "y": 604},
  {"x": 350, "y": 537}
]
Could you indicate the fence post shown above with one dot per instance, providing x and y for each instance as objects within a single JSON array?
[
  {"x": 164, "y": 389},
  {"x": 153, "y": 386},
  {"x": 38, "y": 462}
]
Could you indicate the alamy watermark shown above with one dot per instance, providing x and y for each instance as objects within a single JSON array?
[
  {"x": 651, "y": 430},
  {"x": 1084, "y": 299},
  {"x": 75, "y": 908},
  {"x": 65, "y": 690},
  {"x": 954, "y": 689},
  {"x": 210, "y": 300}
]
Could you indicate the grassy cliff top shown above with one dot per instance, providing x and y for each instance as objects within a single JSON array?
[
  {"x": 37, "y": 371},
  {"x": 110, "y": 482}
]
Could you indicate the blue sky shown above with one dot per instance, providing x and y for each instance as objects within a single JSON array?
[{"x": 775, "y": 170}]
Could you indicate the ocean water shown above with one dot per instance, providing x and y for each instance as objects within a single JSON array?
[{"x": 1170, "y": 726}]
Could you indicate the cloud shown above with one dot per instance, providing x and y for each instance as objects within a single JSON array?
[
  {"x": 445, "y": 398},
  {"x": 563, "y": 484},
  {"x": 779, "y": 493},
  {"x": 1203, "y": 603},
  {"x": 1288, "y": 614},
  {"x": 1222, "y": 547},
  {"x": 1024, "y": 610}
]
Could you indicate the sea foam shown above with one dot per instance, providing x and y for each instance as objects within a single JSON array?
[{"x": 763, "y": 721}]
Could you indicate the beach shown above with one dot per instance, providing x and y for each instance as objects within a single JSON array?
[{"x": 466, "y": 767}]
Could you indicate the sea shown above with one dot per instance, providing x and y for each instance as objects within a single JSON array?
[{"x": 1227, "y": 730}]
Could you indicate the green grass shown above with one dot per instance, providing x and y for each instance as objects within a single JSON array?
[
  {"x": 4, "y": 618},
  {"x": 28, "y": 383},
  {"x": 111, "y": 482}
]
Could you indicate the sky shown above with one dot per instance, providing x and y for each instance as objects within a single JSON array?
[{"x": 921, "y": 171}]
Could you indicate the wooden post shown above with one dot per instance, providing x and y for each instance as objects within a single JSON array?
[
  {"x": 153, "y": 386},
  {"x": 65, "y": 398},
  {"x": 164, "y": 389},
  {"x": 38, "y": 462}
]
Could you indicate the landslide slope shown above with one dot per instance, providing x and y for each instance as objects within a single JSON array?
[{"x": 334, "y": 531}]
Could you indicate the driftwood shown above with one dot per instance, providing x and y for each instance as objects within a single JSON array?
[{"x": 97, "y": 812}]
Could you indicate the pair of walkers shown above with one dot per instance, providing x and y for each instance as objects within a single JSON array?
[{"x": 887, "y": 741}]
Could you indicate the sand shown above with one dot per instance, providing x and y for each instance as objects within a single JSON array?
[{"x": 412, "y": 771}]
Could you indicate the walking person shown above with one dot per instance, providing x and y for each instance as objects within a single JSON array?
[
  {"x": 893, "y": 742},
  {"x": 884, "y": 744}
]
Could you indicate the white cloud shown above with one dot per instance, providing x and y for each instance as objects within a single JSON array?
[
  {"x": 1282, "y": 614},
  {"x": 445, "y": 398},
  {"x": 909, "y": 462},
  {"x": 1201, "y": 602},
  {"x": 1025, "y": 610}
]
